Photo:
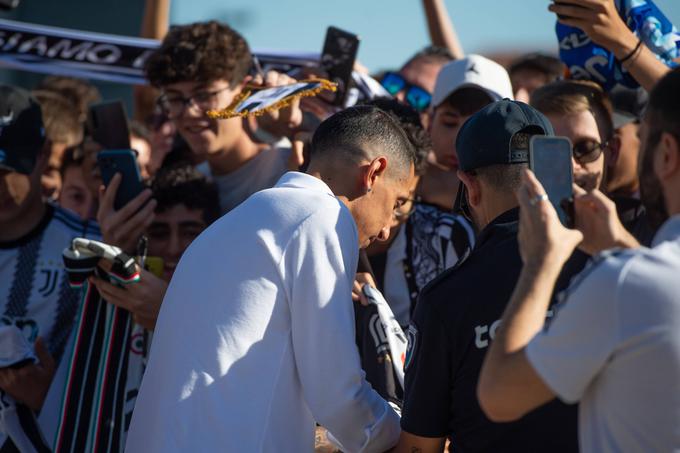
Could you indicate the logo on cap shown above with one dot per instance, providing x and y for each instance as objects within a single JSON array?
[{"x": 472, "y": 68}]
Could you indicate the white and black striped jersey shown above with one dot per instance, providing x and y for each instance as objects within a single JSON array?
[{"x": 35, "y": 294}]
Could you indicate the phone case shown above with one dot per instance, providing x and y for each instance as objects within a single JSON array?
[{"x": 123, "y": 162}]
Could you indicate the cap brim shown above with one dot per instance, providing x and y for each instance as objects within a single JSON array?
[{"x": 494, "y": 96}]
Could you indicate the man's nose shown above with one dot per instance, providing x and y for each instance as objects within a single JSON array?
[
  {"x": 384, "y": 234},
  {"x": 401, "y": 96}
]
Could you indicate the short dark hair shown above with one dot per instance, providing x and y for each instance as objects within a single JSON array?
[
  {"x": 184, "y": 185},
  {"x": 550, "y": 67},
  {"x": 346, "y": 134},
  {"x": 199, "y": 52},
  {"x": 432, "y": 54},
  {"x": 468, "y": 100},
  {"x": 663, "y": 109},
  {"x": 72, "y": 158},
  {"x": 409, "y": 119}
]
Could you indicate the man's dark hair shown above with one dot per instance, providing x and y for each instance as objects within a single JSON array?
[
  {"x": 663, "y": 111},
  {"x": 432, "y": 54},
  {"x": 346, "y": 134},
  {"x": 184, "y": 185},
  {"x": 199, "y": 52},
  {"x": 550, "y": 67},
  {"x": 469, "y": 100},
  {"x": 409, "y": 119}
]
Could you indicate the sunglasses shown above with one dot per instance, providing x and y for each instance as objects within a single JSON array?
[
  {"x": 587, "y": 151},
  {"x": 417, "y": 97}
]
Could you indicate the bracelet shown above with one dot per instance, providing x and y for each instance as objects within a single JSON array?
[{"x": 632, "y": 53}]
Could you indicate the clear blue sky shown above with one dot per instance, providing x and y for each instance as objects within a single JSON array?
[{"x": 390, "y": 30}]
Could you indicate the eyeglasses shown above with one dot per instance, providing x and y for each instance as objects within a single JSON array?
[
  {"x": 173, "y": 105},
  {"x": 586, "y": 151},
  {"x": 416, "y": 96},
  {"x": 406, "y": 209}
]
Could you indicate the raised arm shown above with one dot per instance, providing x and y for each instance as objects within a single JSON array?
[
  {"x": 154, "y": 26},
  {"x": 600, "y": 20},
  {"x": 440, "y": 26}
]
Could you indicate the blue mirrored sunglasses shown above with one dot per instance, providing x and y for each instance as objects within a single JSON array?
[{"x": 417, "y": 97}]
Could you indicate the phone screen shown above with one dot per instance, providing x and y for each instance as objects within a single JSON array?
[
  {"x": 337, "y": 58},
  {"x": 550, "y": 160}
]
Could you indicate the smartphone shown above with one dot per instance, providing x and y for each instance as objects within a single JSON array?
[
  {"x": 108, "y": 126},
  {"x": 550, "y": 160},
  {"x": 337, "y": 59},
  {"x": 122, "y": 161}
]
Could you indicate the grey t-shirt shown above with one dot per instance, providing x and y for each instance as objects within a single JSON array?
[
  {"x": 614, "y": 345},
  {"x": 260, "y": 172}
]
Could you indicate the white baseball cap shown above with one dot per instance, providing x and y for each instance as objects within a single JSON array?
[{"x": 472, "y": 71}]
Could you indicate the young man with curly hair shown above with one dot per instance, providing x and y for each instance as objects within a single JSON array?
[{"x": 204, "y": 66}]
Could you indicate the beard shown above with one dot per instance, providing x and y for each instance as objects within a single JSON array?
[{"x": 651, "y": 192}]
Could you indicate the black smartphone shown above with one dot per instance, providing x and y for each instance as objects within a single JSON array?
[
  {"x": 337, "y": 59},
  {"x": 550, "y": 160},
  {"x": 108, "y": 126},
  {"x": 122, "y": 161}
]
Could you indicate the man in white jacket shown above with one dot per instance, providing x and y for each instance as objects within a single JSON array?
[{"x": 255, "y": 339}]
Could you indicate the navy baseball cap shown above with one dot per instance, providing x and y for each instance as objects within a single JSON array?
[
  {"x": 484, "y": 139},
  {"x": 22, "y": 134}
]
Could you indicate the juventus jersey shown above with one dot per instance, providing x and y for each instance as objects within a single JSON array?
[{"x": 34, "y": 292}]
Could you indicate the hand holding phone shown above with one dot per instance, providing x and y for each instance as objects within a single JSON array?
[
  {"x": 550, "y": 160},
  {"x": 337, "y": 59},
  {"x": 123, "y": 162}
]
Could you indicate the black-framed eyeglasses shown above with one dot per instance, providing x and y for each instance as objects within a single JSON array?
[
  {"x": 173, "y": 105},
  {"x": 586, "y": 151},
  {"x": 401, "y": 214}
]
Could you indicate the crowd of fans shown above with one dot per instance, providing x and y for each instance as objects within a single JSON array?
[{"x": 523, "y": 335}]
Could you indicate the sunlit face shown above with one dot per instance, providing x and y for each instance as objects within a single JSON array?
[
  {"x": 421, "y": 72},
  {"x": 51, "y": 177},
  {"x": 171, "y": 233},
  {"x": 374, "y": 213},
  {"x": 581, "y": 128},
  {"x": 205, "y": 136},
  {"x": 18, "y": 192},
  {"x": 143, "y": 155},
  {"x": 446, "y": 124},
  {"x": 74, "y": 194}
]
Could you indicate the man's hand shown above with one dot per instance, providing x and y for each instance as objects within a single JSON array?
[
  {"x": 143, "y": 299},
  {"x": 596, "y": 218},
  {"x": 283, "y": 122},
  {"x": 29, "y": 384},
  {"x": 542, "y": 237},
  {"x": 599, "y": 19},
  {"x": 123, "y": 228},
  {"x": 361, "y": 279}
]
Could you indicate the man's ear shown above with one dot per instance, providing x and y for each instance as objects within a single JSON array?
[
  {"x": 667, "y": 161},
  {"x": 472, "y": 186},
  {"x": 375, "y": 169},
  {"x": 613, "y": 150}
]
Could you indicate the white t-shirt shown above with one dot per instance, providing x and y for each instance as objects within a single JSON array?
[
  {"x": 260, "y": 172},
  {"x": 255, "y": 338},
  {"x": 614, "y": 345}
]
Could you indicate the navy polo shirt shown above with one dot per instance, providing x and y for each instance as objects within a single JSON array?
[{"x": 454, "y": 322}]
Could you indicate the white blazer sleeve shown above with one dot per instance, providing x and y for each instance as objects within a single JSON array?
[{"x": 319, "y": 264}]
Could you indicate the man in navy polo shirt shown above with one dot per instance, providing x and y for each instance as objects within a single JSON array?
[{"x": 449, "y": 337}]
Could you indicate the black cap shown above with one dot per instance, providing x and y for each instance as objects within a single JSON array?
[
  {"x": 22, "y": 134},
  {"x": 628, "y": 104},
  {"x": 484, "y": 139}
]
